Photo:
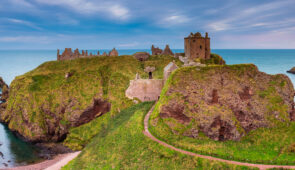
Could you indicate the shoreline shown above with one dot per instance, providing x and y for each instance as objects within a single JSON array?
[{"x": 54, "y": 164}]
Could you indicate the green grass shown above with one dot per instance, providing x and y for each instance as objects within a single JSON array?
[
  {"x": 264, "y": 145},
  {"x": 122, "y": 145},
  {"x": 215, "y": 59}
]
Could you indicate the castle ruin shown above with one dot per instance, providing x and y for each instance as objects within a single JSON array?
[
  {"x": 158, "y": 51},
  {"x": 197, "y": 47},
  {"x": 69, "y": 55}
]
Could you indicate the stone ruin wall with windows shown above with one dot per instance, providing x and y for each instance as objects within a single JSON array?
[{"x": 197, "y": 47}]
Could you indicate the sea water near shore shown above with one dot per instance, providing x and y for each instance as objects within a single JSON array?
[{"x": 17, "y": 62}]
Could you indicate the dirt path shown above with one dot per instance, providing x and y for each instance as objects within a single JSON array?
[
  {"x": 54, "y": 164},
  {"x": 260, "y": 166}
]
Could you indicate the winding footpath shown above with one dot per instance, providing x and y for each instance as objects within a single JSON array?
[{"x": 260, "y": 166}]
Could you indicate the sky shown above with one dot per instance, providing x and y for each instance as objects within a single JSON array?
[{"x": 137, "y": 24}]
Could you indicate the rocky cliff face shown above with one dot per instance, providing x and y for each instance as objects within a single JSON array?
[{"x": 224, "y": 102}]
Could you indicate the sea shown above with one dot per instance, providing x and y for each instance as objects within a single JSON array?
[{"x": 17, "y": 62}]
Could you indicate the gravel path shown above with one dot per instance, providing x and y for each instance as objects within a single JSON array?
[
  {"x": 260, "y": 166},
  {"x": 54, "y": 164}
]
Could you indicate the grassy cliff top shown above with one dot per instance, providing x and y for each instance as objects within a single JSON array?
[
  {"x": 44, "y": 103},
  {"x": 250, "y": 111}
]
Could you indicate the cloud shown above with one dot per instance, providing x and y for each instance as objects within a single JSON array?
[
  {"x": 176, "y": 19},
  {"x": 22, "y": 3},
  {"x": 250, "y": 17},
  {"x": 119, "y": 11},
  {"x": 23, "y": 22},
  {"x": 173, "y": 20},
  {"x": 133, "y": 44},
  {"x": 25, "y": 39},
  {"x": 91, "y": 7}
]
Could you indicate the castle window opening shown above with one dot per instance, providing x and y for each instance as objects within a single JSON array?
[
  {"x": 150, "y": 75},
  {"x": 200, "y": 47},
  {"x": 194, "y": 40}
]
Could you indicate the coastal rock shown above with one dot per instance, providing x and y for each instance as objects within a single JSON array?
[
  {"x": 141, "y": 56},
  {"x": 292, "y": 70},
  {"x": 225, "y": 102},
  {"x": 4, "y": 90}
]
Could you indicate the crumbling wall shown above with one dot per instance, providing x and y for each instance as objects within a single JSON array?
[
  {"x": 145, "y": 89},
  {"x": 69, "y": 55}
]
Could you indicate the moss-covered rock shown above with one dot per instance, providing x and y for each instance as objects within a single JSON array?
[
  {"x": 215, "y": 59},
  {"x": 223, "y": 102},
  {"x": 46, "y": 102}
]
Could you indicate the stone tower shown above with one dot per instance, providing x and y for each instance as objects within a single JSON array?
[{"x": 196, "y": 46}]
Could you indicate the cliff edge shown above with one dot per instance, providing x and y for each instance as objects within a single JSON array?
[{"x": 223, "y": 102}]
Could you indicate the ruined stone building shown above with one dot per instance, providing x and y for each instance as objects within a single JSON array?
[
  {"x": 158, "y": 51},
  {"x": 196, "y": 46},
  {"x": 69, "y": 55},
  {"x": 149, "y": 89}
]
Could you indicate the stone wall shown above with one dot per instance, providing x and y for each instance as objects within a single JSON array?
[
  {"x": 145, "y": 89},
  {"x": 69, "y": 55}
]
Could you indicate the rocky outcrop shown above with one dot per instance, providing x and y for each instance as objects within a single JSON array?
[
  {"x": 292, "y": 70},
  {"x": 4, "y": 90},
  {"x": 225, "y": 102},
  {"x": 57, "y": 124},
  {"x": 141, "y": 56},
  {"x": 3, "y": 95}
]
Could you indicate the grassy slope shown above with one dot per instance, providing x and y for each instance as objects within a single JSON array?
[
  {"x": 264, "y": 145},
  {"x": 80, "y": 136},
  {"x": 122, "y": 145},
  {"x": 46, "y": 86}
]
